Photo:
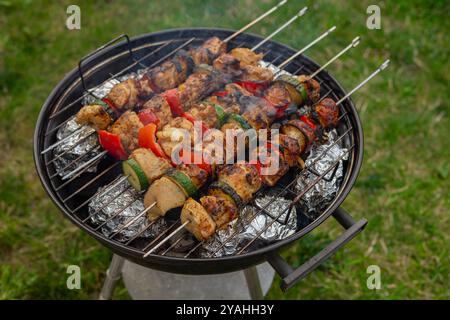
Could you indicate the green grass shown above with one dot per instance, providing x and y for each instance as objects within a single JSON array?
[{"x": 403, "y": 188}]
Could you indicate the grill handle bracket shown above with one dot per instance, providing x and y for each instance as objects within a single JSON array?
[
  {"x": 109, "y": 43},
  {"x": 291, "y": 276}
]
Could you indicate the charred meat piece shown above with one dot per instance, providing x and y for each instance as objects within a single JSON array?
[
  {"x": 208, "y": 51},
  {"x": 222, "y": 210},
  {"x": 226, "y": 63},
  {"x": 246, "y": 56},
  {"x": 278, "y": 95},
  {"x": 159, "y": 106},
  {"x": 197, "y": 87},
  {"x": 256, "y": 74},
  {"x": 300, "y": 131},
  {"x": 127, "y": 128},
  {"x": 327, "y": 112},
  {"x": 274, "y": 167},
  {"x": 94, "y": 115},
  {"x": 243, "y": 178},
  {"x": 311, "y": 86},
  {"x": 290, "y": 149},
  {"x": 206, "y": 113},
  {"x": 258, "y": 112},
  {"x": 125, "y": 95},
  {"x": 168, "y": 75},
  {"x": 201, "y": 225}
]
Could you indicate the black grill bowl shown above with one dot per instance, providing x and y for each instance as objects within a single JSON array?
[{"x": 64, "y": 102}]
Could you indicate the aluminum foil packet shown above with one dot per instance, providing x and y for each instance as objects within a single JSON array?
[
  {"x": 320, "y": 159},
  {"x": 116, "y": 208},
  {"x": 82, "y": 146},
  {"x": 254, "y": 223}
]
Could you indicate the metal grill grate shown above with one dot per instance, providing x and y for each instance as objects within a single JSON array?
[{"x": 74, "y": 194}]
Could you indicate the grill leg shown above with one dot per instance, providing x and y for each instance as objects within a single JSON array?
[
  {"x": 112, "y": 275},
  {"x": 253, "y": 283}
]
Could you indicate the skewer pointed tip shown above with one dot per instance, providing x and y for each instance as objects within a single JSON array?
[
  {"x": 302, "y": 12},
  {"x": 281, "y": 3},
  {"x": 356, "y": 41},
  {"x": 385, "y": 64},
  {"x": 332, "y": 29}
]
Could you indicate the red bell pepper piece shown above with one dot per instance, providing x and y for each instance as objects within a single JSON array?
[
  {"x": 111, "y": 143},
  {"x": 252, "y": 87},
  {"x": 148, "y": 116},
  {"x": 191, "y": 119},
  {"x": 220, "y": 93},
  {"x": 147, "y": 139},
  {"x": 308, "y": 121},
  {"x": 173, "y": 99}
]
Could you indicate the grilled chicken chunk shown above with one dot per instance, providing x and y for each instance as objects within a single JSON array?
[
  {"x": 243, "y": 178},
  {"x": 290, "y": 149},
  {"x": 246, "y": 56},
  {"x": 178, "y": 130},
  {"x": 125, "y": 95},
  {"x": 159, "y": 106},
  {"x": 226, "y": 63},
  {"x": 201, "y": 225},
  {"x": 256, "y": 74},
  {"x": 208, "y": 51},
  {"x": 127, "y": 128},
  {"x": 206, "y": 113},
  {"x": 94, "y": 115},
  {"x": 327, "y": 112},
  {"x": 154, "y": 167},
  {"x": 222, "y": 210},
  {"x": 166, "y": 194}
]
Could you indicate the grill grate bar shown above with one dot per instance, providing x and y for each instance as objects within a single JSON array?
[
  {"x": 90, "y": 182},
  {"x": 140, "y": 233},
  {"x": 161, "y": 235},
  {"x": 74, "y": 161},
  {"x": 132, "y": 220},
  {"x": 108, "y": 188}
]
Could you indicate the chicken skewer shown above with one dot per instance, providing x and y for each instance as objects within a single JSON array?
[
  {"x": 181, "y": 61},
  {"x": 186, "y": 218},
  {"x": 354, "y": 43}
]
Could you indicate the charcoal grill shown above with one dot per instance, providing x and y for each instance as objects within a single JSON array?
[{"x": 122, "y": 55}]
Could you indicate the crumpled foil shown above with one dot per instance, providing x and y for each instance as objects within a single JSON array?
[
  {"x": 77, "y": 149},
  {"x": 109, "y": 206},
  {"x": 85, "y": 148},
  {"x": 253, "y": 222},
  {"x": 315, "y": 200}
]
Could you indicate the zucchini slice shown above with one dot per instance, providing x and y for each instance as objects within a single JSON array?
[
  {"x": 219, "y": 187},
  {"x": 241, "y": 121},
  {"x": 296, "y": 84},
  {"x": 136, "y": 176},
  {"x": 183, "y": 181}
]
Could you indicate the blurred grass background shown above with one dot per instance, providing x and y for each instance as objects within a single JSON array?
[{"x": 403, "y": 188}]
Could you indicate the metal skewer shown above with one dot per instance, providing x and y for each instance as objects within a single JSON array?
[
  {"x": 247, "y": 26},
  {"x": 288, "y": 60},
  {"x": 354, "y": 43},
  {"x": 166, "y": 238},
  {"x": 299, "y": 14}
]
